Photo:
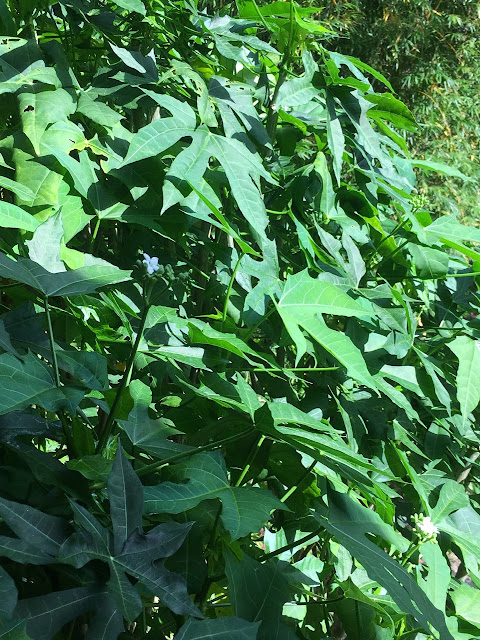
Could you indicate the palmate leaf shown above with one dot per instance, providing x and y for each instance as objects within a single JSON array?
[
  {"x": 219, "y": 629},
  {"x": 242, "y": 167},
  {"x": 303, "y": 301},
  {"x": 288, "y": 426},
  {"x": 130, "y": 552},
  {"x": 349, "y": 522},
  {"x": 244, "y": 509},
  {"x": 38, "y": 110},
  {"x": 44, "y": 247},
  {"x": 69, "y": 283}
]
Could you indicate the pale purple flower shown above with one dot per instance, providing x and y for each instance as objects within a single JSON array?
[{"x": 150, "y": 263}]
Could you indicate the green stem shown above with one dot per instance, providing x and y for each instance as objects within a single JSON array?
[
  {"x": 94, "y": 235},
  {"x": 413, "y": 548},
  {"x": 299, "y": 483},
  {"x": 229, "y": 290},
  {"x": 272, "y": 115},
  {"x": 123, "y": 382},
  {"x": 291, "y": 545},
  {"x": 251, "y": 457},
  {"x": 260, "y": 17},
  {"x": 56, "y": 371},
  {"x": 206, "y": 447}
]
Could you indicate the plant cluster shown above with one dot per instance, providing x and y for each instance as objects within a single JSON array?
[{"x": 239, "y": 355}]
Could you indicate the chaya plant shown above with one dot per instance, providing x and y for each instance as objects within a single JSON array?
[{"x": 239, "y": 355}]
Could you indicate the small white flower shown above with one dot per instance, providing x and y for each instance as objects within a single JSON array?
[
  {"x": 427, "y": 527},
  {"x": 150, "y": 263}
]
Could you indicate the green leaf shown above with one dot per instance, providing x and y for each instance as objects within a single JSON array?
[
  {"x": 440, "y": 167},
  {"x": 304, "y": 296},
  {"x": 162, "y": 133},
  {"x": 132, "y": 5},
  {"x": 438, "y": 579},
  {"x": 8, "y": 594},
  {"x": 299, "y": 91},
  {"x": 33, "y": 527},
  {"x": 12, "y": 217},
  {"x": 452, "y": 497},
  {"x": 44, "y": 247},
  {"x": 125, "y": 493},
  {"x": 47, "y": 614},
  {"x": 70, "y": 283},
  {"x": 302, "y": 302},
  {"x": 220, "y": 629},
  {"x": 429, "y": 263},
  {"x": 468, "y": 389},
  {"x": 30, "y": 381},
  {"x": 144, "y": 432},
  {"x": 243, "y": 170},
  {"x": 38, "y": 110},
  {"x": 467, "y": 603},
  {"x": 244, "y": 509},
  {"x": 107, "y": 623},
  {"x": 349, "y": 522},
  {"x": 258, "y": 592}
]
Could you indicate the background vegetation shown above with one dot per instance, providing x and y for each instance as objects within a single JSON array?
[
  {"x": 429, "y": 52},
  {"x": 239, "y": 353}
]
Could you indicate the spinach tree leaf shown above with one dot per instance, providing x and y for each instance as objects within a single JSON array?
[
  {"x": 349, "y": 522},
  {"x": 258, "y": 592},
  {"x": 468, "y": 389},
  {"x": 8, "y": 594},
  {"x": 69, "y": 283},
  {"x": 34, "y": 528},
  {"x": 220, "y": 629},
  {"x": 13, "y": 217},
  {"x": 47, "y": 614},
  {"x": 30, "y": 381},
  {"x": 151, "y": 435},
  {"x": 125, "y": 494},
  {"x": 244, "y": 509}
]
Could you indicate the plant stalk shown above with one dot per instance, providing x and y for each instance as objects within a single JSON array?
[{"x": 107, "y": 429}]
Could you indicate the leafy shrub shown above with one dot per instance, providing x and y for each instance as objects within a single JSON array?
[{"x": 239, "y": 356}]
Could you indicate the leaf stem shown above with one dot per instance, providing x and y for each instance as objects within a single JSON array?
[
  {"x": 413, "y": 548},
  {"x": 230, "y": 287},
  {"x": 291, "y": 545},
  {"x": 299, "y": 483},
  {"x": 56, "y": 371},
  {"x": 107, "y": 429},
  {"x": 185, "y": 454},
  {"x": 251, "y": 457},
  {"x": 94, "y": 235}
]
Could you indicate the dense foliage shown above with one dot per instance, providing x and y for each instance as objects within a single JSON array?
[
  {"x": 239, "y": 355},
  {"x": 429, "y": 51}
]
